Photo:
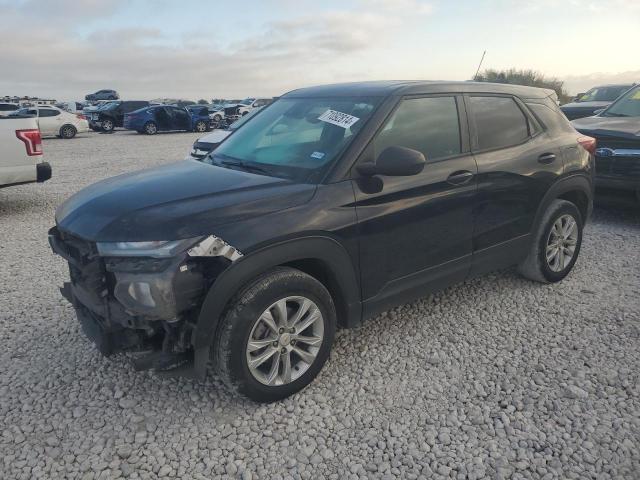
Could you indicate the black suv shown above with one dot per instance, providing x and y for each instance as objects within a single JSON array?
[
  {"x": 111, "y": 115},
  {"x": 333, "y": 204},
  {"x": 617, "y": 131}
]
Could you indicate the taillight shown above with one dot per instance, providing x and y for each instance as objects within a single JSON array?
[
  {"x": 32, "y": 141},
  {"x": 588, "y": 143},
  {"x": 81, "y": 117}
]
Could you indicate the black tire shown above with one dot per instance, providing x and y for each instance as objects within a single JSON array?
[
  {"x": 229, "y": 352},
  {"x": 108, "y": 125},
  {"x": 245, "y": 113},
  {"x": 536, "y": 266},
  {"x": 201, "y": 126},
  {"x": 150, "y": 128},
  {"x": 68, "y": 131},
  {"x": 217, "y": 118}
]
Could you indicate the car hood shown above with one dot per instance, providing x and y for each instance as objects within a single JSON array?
[
  {"x": 175, "y": 201},
  {"x": 585, "y": 105},
  {"x": 627, "y": 127}
]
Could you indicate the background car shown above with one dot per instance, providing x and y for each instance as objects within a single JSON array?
[
  {"x": 54, "y": 121},
  {"x": 233, "y": 111},
  {"x": 102, "y": 95},
  {"x": 111, "y": 115},
  {"x": 617, "y": 132},
  {"x": 158, "y": 118},
  {"x": 587, "y": 104},
  {"x": 205, "y": 145},
  {"x": 7, "y": 108}
]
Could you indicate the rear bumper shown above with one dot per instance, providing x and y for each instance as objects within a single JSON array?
[{"x": 43, "y": 172}]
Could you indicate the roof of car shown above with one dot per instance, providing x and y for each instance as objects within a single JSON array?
[{"x": 387, "y": 88}]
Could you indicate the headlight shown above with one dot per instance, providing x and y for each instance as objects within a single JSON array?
[{"x": 156, "y": 248}]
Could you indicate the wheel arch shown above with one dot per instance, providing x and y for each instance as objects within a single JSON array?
[
  {"x": 577, "y": 189},
  {"x": 320, "y": 257}
]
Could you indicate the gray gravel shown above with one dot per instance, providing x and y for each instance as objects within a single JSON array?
[{"x": 495, "y": 378}]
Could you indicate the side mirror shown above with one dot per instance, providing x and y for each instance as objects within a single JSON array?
[
  {"x": 598, "y": 111},
  {"x": 395, "y": 162}
]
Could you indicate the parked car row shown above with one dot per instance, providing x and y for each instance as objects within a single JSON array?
[
  {"x": 617, "y": 132},
  {"x": 593, "y": 101}
]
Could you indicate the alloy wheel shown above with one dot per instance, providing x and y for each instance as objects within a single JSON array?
[
  {"x": 561, "y": 243},
  {"x": 285, "y": 341}
]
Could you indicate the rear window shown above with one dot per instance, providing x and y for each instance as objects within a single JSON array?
[{"x": 499, "y": 122}]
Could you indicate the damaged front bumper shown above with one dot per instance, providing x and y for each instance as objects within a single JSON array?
[{"x": 141, "y": 302}]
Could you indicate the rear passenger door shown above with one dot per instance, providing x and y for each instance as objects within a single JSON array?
[
  {"x": 415, "y": 231},
  {"x": 517, "y": 162},
  {"x": 49, "y": 121}
]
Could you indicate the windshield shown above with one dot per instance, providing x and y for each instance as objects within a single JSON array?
[
  {"x": 626, "y": 106},
  {"x": 296, "y": 138},
  {"x": 603, "y": 94}
]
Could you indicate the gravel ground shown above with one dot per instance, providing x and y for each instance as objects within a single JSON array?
[{"x": 495, "y": 378}]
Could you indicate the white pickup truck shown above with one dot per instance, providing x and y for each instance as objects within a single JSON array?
[{"x": 21, "y": 152}]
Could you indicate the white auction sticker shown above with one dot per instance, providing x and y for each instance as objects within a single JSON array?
[{"x": 340, "y": 119}]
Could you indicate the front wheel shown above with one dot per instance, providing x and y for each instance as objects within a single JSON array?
[
  {"x": 150, "y": 128},
  {"x": 201, "y": 126},
  {"x": 275, "y": 336},
  {"x": 556, "y": 244},
  {"x": 107, "y": 126}
]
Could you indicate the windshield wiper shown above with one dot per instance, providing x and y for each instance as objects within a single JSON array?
[
  {"x": 609, "y": 114},
  {"x": 245, "y": 166}
]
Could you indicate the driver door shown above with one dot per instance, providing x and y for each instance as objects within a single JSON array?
[{"x": 416, "y": 231}]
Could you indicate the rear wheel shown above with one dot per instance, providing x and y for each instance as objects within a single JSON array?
[
  {"x": 556, "y": 244},
  {"x": 217, "y": 118},
  {"x": 150, "y": 128},
  {"x": 276, "y": 335},
  {"x": 201, "y": 126},
  {"x": 68, "y": 131}
]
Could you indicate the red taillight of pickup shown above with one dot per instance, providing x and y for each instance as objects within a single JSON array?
[
  {"x": 81, "y": 117},
  {"x": 32, "y": 141},
  {"x": 588, "y": 143}
]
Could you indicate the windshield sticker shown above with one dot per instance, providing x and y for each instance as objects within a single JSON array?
[
  {"x": 340, "y": 119},
  {"x": 636, "y": 95},
  {"x": 317, "y": 155}
]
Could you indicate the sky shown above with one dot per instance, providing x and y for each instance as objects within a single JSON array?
[{"x": 195, "y": 49}]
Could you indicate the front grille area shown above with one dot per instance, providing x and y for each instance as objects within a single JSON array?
[
  {"x": 86, "y": 269},
  {"x": 625, "y": 166}
]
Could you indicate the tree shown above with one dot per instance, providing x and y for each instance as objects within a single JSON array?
[
  {"x": 202, "y": 101},
  {"x": 530, "y": 78}
]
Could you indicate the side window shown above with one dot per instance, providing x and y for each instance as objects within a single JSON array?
[
  {"x": 429, "y": 125},
  {"x": 46, "y": 112},
  {"x": 499, "y": 122}
]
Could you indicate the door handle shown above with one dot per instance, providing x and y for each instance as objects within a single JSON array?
[
  {"x": 460, "y": 177},
  {"x": 547, "y": 158}
]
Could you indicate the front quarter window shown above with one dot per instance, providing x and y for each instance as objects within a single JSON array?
[{"x": 296, "y": 138}]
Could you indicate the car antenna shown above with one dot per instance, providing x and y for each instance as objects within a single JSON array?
[{"x": 479, "y": 65}]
